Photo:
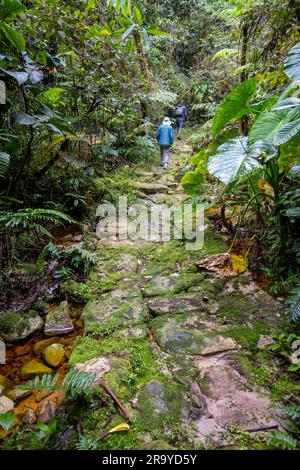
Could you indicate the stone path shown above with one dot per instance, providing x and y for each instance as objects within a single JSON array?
[{"x": 171, "y": 339}]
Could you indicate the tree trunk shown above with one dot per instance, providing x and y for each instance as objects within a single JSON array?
[
  {"x": 244, "y": 122},
  {"x": 142, "y": 58}
]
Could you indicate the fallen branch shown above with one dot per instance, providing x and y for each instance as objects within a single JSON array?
[
  {"x": 262, "y": 428},
  {"x": 115, "y": 399}
]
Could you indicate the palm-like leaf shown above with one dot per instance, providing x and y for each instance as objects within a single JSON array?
[
  {"x": 4, "y": 163},
  {"x": 236, "y": 159},
  {"x": 235, "y": 105},
  {"x": 292, "y": 63}
]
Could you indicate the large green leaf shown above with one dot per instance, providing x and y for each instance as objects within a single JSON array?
[
  {"x": 274, "y": 126},
  {"x": 154, "y": 31},
  {"x": 235, "y": 105},
  {"x": 287, "y": 132},
  {"x": 292, "y": 63},
  {"x": 14, "y": 37},
  {"x": 137, "y": 15},
  {"x": 263, "y": 105},
  {"x": 9, "y": 8},
  {"x": 221, "y": 138},
  {"x": 289, "y": 153},
  {"x": 236, "y": 159},
  {"x": 192, "y": 182},
  {"x": 287, "y": 103},
  {"x": 125, "y": 22}
]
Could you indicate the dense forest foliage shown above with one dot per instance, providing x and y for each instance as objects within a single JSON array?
[{"x": 84, "y": 86}]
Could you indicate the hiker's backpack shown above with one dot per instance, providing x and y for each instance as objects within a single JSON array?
[{"x": 179, "y": 111}]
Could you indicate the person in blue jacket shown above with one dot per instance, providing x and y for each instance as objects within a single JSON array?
[{"x": 165, "y": 138}]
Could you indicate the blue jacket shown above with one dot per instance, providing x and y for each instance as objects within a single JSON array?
[{"x": 165, "y": 135}]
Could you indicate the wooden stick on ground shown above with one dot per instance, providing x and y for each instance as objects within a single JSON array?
[
  {"x": 263, "y": 428},
  {"x": 115, "y": 399}
]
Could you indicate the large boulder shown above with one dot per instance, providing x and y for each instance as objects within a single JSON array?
[
  {"x": 58, "y": 321},
  {"x": 33, "y": 368},
  {"x": 15, "y": 326}
]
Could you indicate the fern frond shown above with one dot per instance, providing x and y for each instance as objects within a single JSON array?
[
  {"x": 292, "y": 411},
  {"x": 163, "y": 97},
  {"x": 293, "y": 303},
  {"x": 45, "y": 382},
  {"x": 25, "y": 217},
  {"x": 281, "y": 440},
  {"x": 77, "y": 380},
  {"x": 79, "y": 257}
]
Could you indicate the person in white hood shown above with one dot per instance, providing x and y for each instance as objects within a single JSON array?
[{"x": 165, "y": 138}]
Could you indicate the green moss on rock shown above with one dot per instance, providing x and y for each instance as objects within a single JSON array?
[
  {"x": 106, "y": 315},
  {"x": 246, "y": 336},
  {"x": 160, "y": 405},
  {"x": 15, "y": 326}
]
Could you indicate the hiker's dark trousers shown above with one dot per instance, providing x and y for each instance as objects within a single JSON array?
[{"x": 179, "y": 125}]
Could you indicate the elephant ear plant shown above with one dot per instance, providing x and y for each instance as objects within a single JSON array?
[{"x": 265, "y": 157}]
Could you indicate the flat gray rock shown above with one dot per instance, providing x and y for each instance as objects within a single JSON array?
[
  {"x": 151, "y": 188},
  {"x": 186, "y": 334},
  {"x": 176, "y": 304},
  {"x": 58, "y": 321}
]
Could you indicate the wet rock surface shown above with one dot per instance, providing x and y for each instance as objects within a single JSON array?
[
  {"x": 54, "y": 355},
  {"x": 33, "y": 368},
  {"x": 16, "y": 326},
  {"x": 58, "y": 321}
]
